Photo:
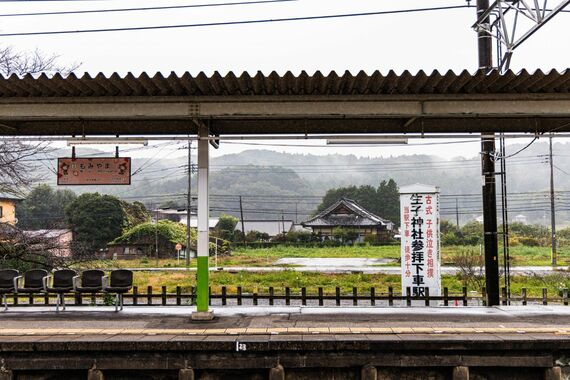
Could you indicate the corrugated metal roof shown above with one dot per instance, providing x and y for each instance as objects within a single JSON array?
[
  {"x": 287, "y": 84},
  {"x": 271, "y": 227}
]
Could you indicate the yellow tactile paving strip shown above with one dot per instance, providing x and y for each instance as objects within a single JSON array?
[{"x": 290, "y": 330}]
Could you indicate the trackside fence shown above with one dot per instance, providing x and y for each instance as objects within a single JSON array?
[{"x": 290, "y": 296}]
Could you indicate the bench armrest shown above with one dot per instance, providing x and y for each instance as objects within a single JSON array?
[
  {"x": 105, "y": 282},
  {"x": 75, "y": 282},
  {"x": 17, "y": 283},
  {"x": 45, "y": 281}
]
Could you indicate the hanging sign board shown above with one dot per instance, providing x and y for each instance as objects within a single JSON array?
[
  {"x": 94, "y": 171},
  {"x": 420, "y": 253}
]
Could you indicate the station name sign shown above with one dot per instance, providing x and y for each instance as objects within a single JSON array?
[{"x": 94, "y": 171}]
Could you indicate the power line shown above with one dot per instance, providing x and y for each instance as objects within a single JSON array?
[
  {"x": 336, "y": 146},
  {"x": 50, "y": 1},
  {"x": 141, "y": 8},
  {"x": 228, "y": 23}
]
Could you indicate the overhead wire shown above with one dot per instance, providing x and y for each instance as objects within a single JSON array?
[
  {"x": 139, "y": 9},
  {"x": 229, "y": 23},
  {"x": 337, "y": 146}
]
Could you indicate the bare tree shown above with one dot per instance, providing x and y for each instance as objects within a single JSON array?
[
  {"x": 20, "y": 160},
  {"x": 34, "y": 63},
  {"x": 23, "y": 249},
  {"x": 19, "y": 164},
  {"x": 471, "y": 270}
]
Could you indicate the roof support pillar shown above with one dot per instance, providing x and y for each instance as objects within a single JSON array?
[
  {"x": 202, "y": 274},
  {"x": 485, "y": 46}
]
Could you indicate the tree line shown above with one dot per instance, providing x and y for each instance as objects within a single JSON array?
[{"x": 95, "y": 219}]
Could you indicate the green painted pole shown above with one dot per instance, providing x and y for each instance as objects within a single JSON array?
[
  {"x": 202, "y": 285},
  {"x": 202, "y": 274}
]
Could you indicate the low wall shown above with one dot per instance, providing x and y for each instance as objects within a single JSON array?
[{"x": 281, "y": 357}]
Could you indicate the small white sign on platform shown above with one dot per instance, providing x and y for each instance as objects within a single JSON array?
[{"x": 420, "y": 253}]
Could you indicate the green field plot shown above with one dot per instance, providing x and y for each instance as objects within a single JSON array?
[
  {"x": 260, "y": 282},
  {"x": 261, "y": 257}
]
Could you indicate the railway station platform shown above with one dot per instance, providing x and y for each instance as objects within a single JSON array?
[{"x": 278, "y": 343}]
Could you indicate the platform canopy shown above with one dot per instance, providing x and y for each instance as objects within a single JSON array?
[{"x": 273, "y": 104}]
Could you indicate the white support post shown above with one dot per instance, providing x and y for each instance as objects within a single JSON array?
[{"x": 202, "y": 282}]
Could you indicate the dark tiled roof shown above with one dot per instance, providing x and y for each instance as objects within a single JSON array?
[
  {"x": 288, "y": 84},
  {"x": 360, "y": 217},
  {"x": 9, "y": 196}
]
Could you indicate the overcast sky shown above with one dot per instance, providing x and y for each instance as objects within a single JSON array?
[{"x": 440, "y": 40}]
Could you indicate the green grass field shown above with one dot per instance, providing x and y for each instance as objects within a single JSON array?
[
  {"x": 260, "y": 282},
  {"x": 259, "y": 257}
]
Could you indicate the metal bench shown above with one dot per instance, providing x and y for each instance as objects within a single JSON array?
[
  {"x": 8, "y": 284},
  {"x": 31, "y": 282},
  {"x": 60, "y": 282},
  {"x": 121, "y": 281},
  {"x": 90, "y": 281}
]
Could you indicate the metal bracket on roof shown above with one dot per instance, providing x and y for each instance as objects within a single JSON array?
[
  {"x": 501, "y": 21},
  {"x": 194, "y": 109},
  {"x": 410, "y": 121},
  {"x": 4, "y": 126},
  {"x": 215, "y": 142}
]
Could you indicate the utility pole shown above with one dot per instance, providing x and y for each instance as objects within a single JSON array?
[
  {"x": 296, "y": 203},
  {"x": 156, "y": 237},
  {"x": 505, "y": 213},
  {"x": 457, "y": 213},
  {"x": 552, "y": 208},
  {"x": 485, "y": 48},
  {"x": 283, "y": 221},
  {"x": 242, "y": 222},
  {"x": 189, "y": 204}
]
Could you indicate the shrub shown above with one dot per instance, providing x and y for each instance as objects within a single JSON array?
[
  {"x": 450, "y": 238},
  {"x": 470, "y": 264},
  {"x": 529, "y": 241},
  {"x": 370, "y": 238},
  {"x": 345, "y": 235},
  {"x": 514, "y": 241},
  {"x": 300, "y": 236}
]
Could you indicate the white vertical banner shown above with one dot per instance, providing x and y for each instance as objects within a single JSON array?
[{"x": 420, "y": 252}]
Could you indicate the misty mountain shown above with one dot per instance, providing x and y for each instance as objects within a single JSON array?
[{"x": 274, "y": 185}]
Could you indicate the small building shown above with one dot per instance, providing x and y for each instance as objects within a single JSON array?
[
  {"x": 8, "y": 208},
  {"x": 346, "y": 213},
  {"x": 126, "y": 251},
  {"x": 521, "y": 219},
  {"x": 145, "y": 248},
  {"x": 272, "y": 227},
  {"x": 180, "y": 216},
  {"x": 60, "y": 240}
]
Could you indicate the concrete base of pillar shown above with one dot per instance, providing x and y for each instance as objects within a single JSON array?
[
  {"x": 277, "y": 373},
  {"x": 369, "y": 372},
  {"x": 186, "y": 374},
  {"x": 554, "y": 373},
  {"x": 460, "y": 373},
  {"x": 6, "y": 375},
  {"x": 95, "y": 374},
  {"x": 202, "y": 316}
]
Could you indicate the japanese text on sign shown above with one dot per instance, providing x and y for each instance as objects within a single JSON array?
[
  {"x": 94, "y": 171},
  {"x": 419, "y": 242}
]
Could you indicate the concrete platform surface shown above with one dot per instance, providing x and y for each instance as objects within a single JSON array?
[
  {"x": 302, "y": 342},
  {"x": 153, "y": 320}
]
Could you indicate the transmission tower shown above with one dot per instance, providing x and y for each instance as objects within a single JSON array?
[{"x": 512, "y": 22}]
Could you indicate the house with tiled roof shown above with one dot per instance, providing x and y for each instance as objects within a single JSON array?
[
  {"x": 8, "y": 208},
  {"x": 347, "y": 214}
]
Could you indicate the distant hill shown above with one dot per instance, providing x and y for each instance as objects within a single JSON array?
[{"x": 270, "y": 182}]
